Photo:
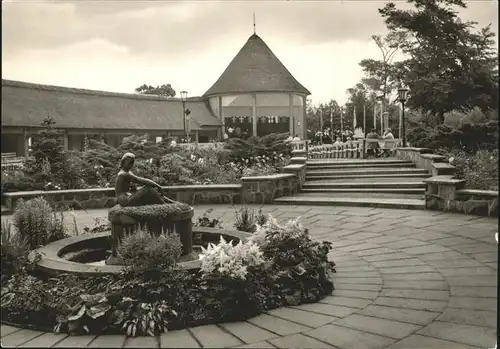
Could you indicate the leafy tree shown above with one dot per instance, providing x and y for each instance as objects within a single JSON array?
[
  {"x": 47, "y": 145},
  {"x": 361, "y": 97},
  {"x": 163, "y": 90},
  {"x": 383, "y": 76},
  {"x": 313, "y": 113},
  {"x": 450, "y": 66}
]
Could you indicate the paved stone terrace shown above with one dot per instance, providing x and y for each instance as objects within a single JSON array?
[{"x": 406, "y": 279}]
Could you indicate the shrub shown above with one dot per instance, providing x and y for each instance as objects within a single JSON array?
[
  {"x": 247, "y": 220},
  {"x": 259, "y": 170},
  {"x": 144, "y": 251},
  {"x": 470, "y": 136},
  {"x": 229, "y": 260},
  {"x": 274, "y": 148},
  {"x": 38, "y": 223},
  {"x": 14, "y": 251},
  {"x": 206, "y": 221},
  {"x": 479, "y": 170},
  {"x": 304, "y": 261}
]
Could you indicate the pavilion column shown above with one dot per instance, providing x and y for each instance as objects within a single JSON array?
[
  {"x": 254, "y": 114},
  {"x": 101, "y": 137},
  {"x": 23, "y": 146},
  {"x": 66, "y": 140},
  {"x": 290, "y": 115},
  {"x": 196, "y": 136},
  {"x": 304, "y": 118}
]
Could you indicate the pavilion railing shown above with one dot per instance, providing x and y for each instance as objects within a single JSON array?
[{"x": 350, "y": 149}]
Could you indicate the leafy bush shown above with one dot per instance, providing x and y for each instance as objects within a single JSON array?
[
  {"x": 37, "y": 223},
  {"x": 14, "y": 251},
  {"x": 246, "y": 219},
  {"x": 229, "y": 260},
  {"x": 479, "y": 170},
  {"x": 206, "y": 221},
  {"x": 272, "y": 148},
  {"x": 144, "y": 251},
  {"x": 305, "y": 262},
  {"x": 472, "y": 137}
]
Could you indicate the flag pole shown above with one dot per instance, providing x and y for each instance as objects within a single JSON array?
[
  {"x": 342, "y": 123},
  {"x": 364, "y": 118},
  {"x": 331, "y": 123},
  {"x": 321, "y": 124},
  {"x": 354, "y": 121}
]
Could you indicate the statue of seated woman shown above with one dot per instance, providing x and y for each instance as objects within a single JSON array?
[{"x": 149, "y": 194}]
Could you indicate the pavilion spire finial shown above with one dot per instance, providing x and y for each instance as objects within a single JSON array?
[{"x": 254, "y": 23}]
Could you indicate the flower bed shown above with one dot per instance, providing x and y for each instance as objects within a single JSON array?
[
  {"x": 277, "y": 266},
  {"x": 167, "y": 163}
]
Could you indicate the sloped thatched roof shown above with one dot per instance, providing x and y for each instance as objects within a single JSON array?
[
  {"x": 256, "y": 69},
  {"x": 25, "y": 104}
]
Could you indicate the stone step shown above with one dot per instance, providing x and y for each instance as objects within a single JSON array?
[
  {"x": 364, "y": 181},
  {"x": 366, "y": 171},
  {"x": 372, "y": 195},
  {"x": 310, "y": 199},
  {"x": 365, "y": 191},
  {"x": 385, "y": 161},
  {"x": 355, "y": 161},
  {"x": 365, "y": 176},
  {"x": 333, "y": 166},
  {"x": 380, "y": 183}
]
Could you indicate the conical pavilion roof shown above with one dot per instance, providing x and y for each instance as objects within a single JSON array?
[{"x": 256, "y": 69}]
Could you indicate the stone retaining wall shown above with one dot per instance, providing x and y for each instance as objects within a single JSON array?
[
  {"x": 263, "y": 190},
  {"x": 443, "y": 192},
  {"x": 447, "y": 194}
]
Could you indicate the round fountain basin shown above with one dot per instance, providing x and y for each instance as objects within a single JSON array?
[{"x": 85, "y": 255}]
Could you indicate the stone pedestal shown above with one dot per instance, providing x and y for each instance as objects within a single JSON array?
[{"x": 125, "y": 224}]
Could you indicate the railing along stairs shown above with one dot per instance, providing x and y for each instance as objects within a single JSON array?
[{"x": 347, "y": 150}]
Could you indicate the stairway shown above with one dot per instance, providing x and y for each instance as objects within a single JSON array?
[{"x": 385, "y": 183}]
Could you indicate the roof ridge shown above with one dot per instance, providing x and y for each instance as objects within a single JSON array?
[{"x": 74, "y": 90}]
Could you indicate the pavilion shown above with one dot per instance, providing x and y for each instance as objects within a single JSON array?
[{"x": 255, "y": 95}]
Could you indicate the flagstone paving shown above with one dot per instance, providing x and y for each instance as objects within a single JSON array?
[{"x": 405, "y": 279}]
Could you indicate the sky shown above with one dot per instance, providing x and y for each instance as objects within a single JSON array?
[{"x": 120, "y": 45}]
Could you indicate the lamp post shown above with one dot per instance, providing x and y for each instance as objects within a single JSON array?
[
  {"x": 403, "y": 95},
  {"x": 183, "y": 99}
]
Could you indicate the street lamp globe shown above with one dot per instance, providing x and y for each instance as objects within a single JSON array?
[
  {"x": 403, "y": 94},
  {"x": 184, "y": 95}
]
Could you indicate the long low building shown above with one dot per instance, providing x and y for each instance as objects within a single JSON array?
[{"x": 255, "y": 95}]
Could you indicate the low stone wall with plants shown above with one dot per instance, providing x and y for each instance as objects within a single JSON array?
[
  {"x": 445, "y": 191},
  {"x": 447, "y": 194},
  {"x": 425, "y": 159},
  {"x": 264, "y": 189},
  {"x": 258, "y": 189}
]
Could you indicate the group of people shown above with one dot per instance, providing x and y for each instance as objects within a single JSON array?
[{"x": 372, "y": 148}]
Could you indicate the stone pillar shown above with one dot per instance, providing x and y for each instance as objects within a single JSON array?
[
  {"x": 196, "y": 136},
  {"x": 291, "y": 119},
  {"x": 101, "y": 137},
  {"x": 254, "y": 114}
]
